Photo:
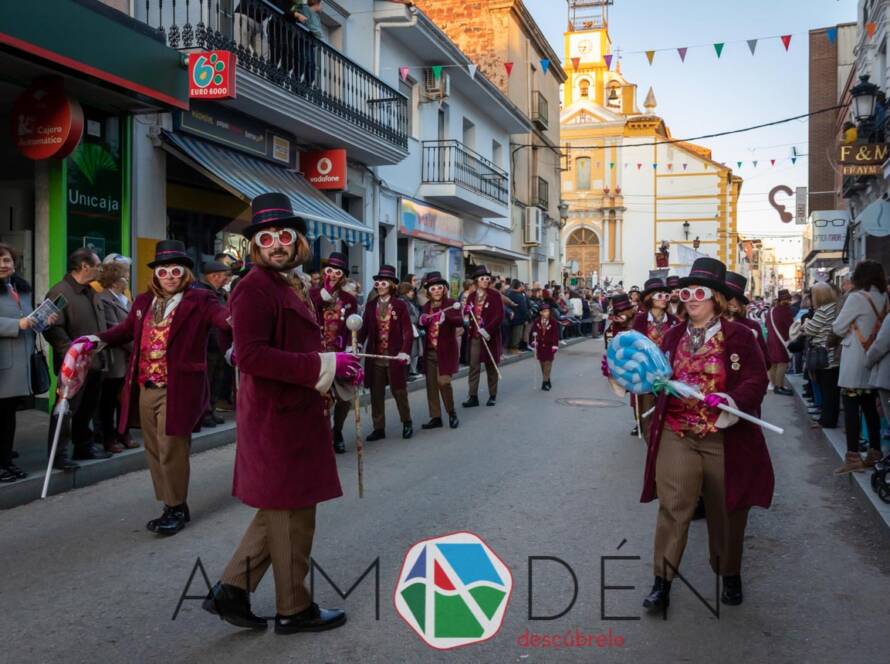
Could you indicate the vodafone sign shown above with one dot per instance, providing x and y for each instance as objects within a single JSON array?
[
  {"x": 325, "y": 169},
  {"x": 45, "y": 123}
]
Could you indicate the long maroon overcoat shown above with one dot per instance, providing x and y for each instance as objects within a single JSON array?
[
  {"x": 447, "y": 349},
  {"x": 492, "y": 317},
  {"x": 782, "y": 317},
  {"x": 761, "y": 342},
  {"x": 748, "y": 470},
  {"x": 348, "y": 306},
  {"x": 188, "y": 390},
  {"x": 401, "y": 336},
  {"x": 284, "y": 457},
  {"x": 545, "y": 340}
]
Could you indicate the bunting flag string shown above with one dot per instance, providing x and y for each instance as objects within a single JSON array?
[
  {"x": 509, "y": 67},
  {"x": 650, "y": 56},
  {"x": 437, "y": 72},
  {"x": 682, "y": 52},
  {"x": 752, "y": 45},
  {"x": 685, "y": 165},
  {"x": 719, "y": 48},
  {"x": 786, "y": 41}
]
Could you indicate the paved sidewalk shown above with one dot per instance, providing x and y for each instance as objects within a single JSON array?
[
  {"x": 837, "y": 441},
  {"x": 31, "y": 443}
]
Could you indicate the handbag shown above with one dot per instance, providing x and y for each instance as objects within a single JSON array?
[
  {"x": 40, "y": 382},
  {"x": 817, "y": 357}
]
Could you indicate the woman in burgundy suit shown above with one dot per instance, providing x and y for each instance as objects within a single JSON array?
[
  {"x": 545, "y": 341},
  {"x": 441, "y": 318},
  {"x": 166, "y": 391},
  {"x": 696, "y": 448},
  {"x": 736, "y": 310}
]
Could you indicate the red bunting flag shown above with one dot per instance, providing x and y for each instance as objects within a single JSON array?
[
  {"x": 786, "y": 40},
  {"x": 772, "y": 162},
  {"x": 650, "y": 56},
  {"x": 403, "y": 73},
  {"x": 509, "y": 67},
  {"x": 670, "y": 166},
  {"x": 576, "y": 63},
  {"x": 682, "y": 52},
  {"x": 608, "y": 58},
  {"x": 870, "y": 29},
  {"x": 639, "y": 165}
]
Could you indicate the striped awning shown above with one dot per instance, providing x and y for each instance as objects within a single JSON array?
[{"x": 247, "y": 177}]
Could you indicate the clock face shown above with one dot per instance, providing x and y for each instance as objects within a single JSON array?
[{"x": 585, "y": 46}]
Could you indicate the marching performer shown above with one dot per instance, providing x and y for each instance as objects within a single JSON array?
[
  {"x": 653, "y": 320},
  {"x": 545, "y": 335},
  {"x": 694, "y": 447},
  {"x": 284, "y": 460},
  {"x": 166, "y": 392},
  {"x": 737, "y": 309},
  {"x": 387, "y": 331},
  {"x": 675, "y": 308},
  {"x": 333, "y": 305},
  {"x": 620, "y": 320},
  {"x": 442, "y": 319},
  {"x": 485, "y": 311}
]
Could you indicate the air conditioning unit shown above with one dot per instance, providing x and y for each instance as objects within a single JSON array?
[
  {"x": 433, "y": 88},
  {"x": 534, "y": 225}
]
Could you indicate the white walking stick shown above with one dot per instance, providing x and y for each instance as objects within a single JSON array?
[
  {"x": 354, "y": 324},
  {"x": 485, "y": 343}
]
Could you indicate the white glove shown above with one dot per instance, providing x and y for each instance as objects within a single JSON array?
[
  {"x": 456, "y": 305},
  {"x": 325, "y": 295},
  {"x": 484, "y": 334},
  {"x": 403, "y": 357}
]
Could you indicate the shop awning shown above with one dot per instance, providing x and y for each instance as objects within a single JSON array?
[
  {"x": 495, "y": 252},
  {"x": 247, "y": 177}
]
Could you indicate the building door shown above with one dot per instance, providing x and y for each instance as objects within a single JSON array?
[{"x": 583, "y": 246}]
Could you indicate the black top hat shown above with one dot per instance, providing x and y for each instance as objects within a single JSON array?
[
  {"x": 338, "y": 261},
  {"x": 433, "y": 278},
  {"x": 479, "y": 271},
  {"x": 212, "y": 267},
  {"x": 387, "y": 272},
  {"x": 621, "y": 302},
  {"x": 707, "y": 272},
  {"x": 672, "y": 282},
  {"x": 783, "y": 294},
  {"x": 653, "y": 285},
  {"x": 171, "y": 252},
  {"x": 544, "y": 307},
  {"x": 273, "y": 209},
  {"x": 736, "y": 284},
  {"x": 634, "y": 289}
]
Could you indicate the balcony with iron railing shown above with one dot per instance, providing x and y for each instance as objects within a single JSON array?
[
  {"x": 285, "y": 74},
  {"x": 464, "y": 179}
]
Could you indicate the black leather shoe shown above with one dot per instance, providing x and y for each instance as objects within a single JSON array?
[
  {"x": 544, "y": 386},
  {"x": 699, "y": 512},
  {"x": 660, "y": 595},
  {"x": 376, "y": 434},
  {"x": 90, "y": 452},
  {"x": 313, "y": 619},
  {"x": 62, "y": 462},
  {"x": 216, "y": 418},
  {"x": 472, "y": 402},
  {"x": 208, "y": 422},
  {"x": 339, "y": 445},
  {"x": 173, "y": 521},
  {"x": 407, "y": 430},
  {"x": 232, "y": 604},
  {"x": 453, "y": 422},
  {"x": 549, "y": 386},
  {"x": 732, "y": 590},
  {"x": 784, "y": 391},
  {"x": 154, "y": 524},
  {"x": 635, "y": 431},
  {"x": 435, "y": 423},
  {"x": 6, "y": 477},
  {"x": 491, "y": 401},
  {"x": 16, "y": 471}
]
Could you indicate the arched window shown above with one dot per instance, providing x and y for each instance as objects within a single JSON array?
[
  {"x": 584, "y": 88},
  {"x": 582, "y": 173}
]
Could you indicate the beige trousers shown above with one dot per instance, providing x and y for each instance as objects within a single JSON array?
[
  {"x": 379, "y": 375},
  {"x": 478, "y": 355},
  {"x": 283, "y": 539},
  {"x": 437, "y": 384},
  {"x": 168, "y": 456},
  {"x": 777, "y": 374},
  {"x": 687, "y": 468}
]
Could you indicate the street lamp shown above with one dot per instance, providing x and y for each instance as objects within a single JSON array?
[
  {"x": 563, "y": 208},
  {"x": 696, "y": 243},
  {"x": 865, "y": 97},
  {"x": 686, "y": 229}
]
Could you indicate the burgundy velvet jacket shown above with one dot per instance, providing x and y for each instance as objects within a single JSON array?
[
  {"x": 284, "y": 458},
  {"x": 188, "y": 390},
  {"x": 447, "y": 348},
  {"x": 761, "y": 342},
  {"x": 401, "y": 336},
  {"x": 492, "y": 317},
  {"x": 782, "y": 317},
  {"x": 748, "y": 470},
  {"x": 545, "y": 340},
  {"x": 348, "y": 306},
  {"x": 641, "y": 321}
]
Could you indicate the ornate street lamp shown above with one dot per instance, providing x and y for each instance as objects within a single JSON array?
[
  {"x": 563, "y": 208},
  {"x": 686, "y": 229},
  {"x": 865, "y": 97},
  {"x": 696, "y": 243}
]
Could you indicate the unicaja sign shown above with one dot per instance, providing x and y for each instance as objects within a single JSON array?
[{"x": 325, "y": 169}]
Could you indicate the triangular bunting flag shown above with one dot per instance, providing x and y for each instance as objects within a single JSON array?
[
  {"x": 608, "y": 58},
  {"x": 654, "y": 165},
  {"x": 576, "y": 63},
  {"x": 752, "y": 45},
  {"x": 437, "y": 72},
  {"x": 403, "y": 73},
  {"x": 739, "y": 163},
  {"x": 786, "y": 40},
  {"x": 772, "y": 162},
  {"x": 682, "y": 52},
  {"x": 831, "y": 33},
  {"x": 639, "y": 165},
  {"x": 671, "y": 166},
  {"x": 597, "y": 165},
  {"x": 625, "y": 164},
  {"x": 545, "y": 64},
  {"x": 684, "y": 166},
  {"x": 472, "y": 70},
  {"x": 793, "y": 159},
  {"x": 719, "y": 48},
  {"x": 870, "y": 29},
  {"x": 611, "y": 164},
  {"x": 509, "y": 67},
  {"x": 650, "y": 56},
  {"x": 755, "y": 163}
]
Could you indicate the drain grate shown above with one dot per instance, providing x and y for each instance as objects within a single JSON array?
[{"x": 575, "y": 402}]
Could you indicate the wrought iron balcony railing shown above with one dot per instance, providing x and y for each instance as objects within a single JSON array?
[
  {"x": 452, "y": 162},
  {"x": 273, "y": 45}
]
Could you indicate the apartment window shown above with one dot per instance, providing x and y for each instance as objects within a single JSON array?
[
  {"x": 582, "y": 173},
  {"x": 497, "y": 154},
  {"x": 408, "y": 87},
  {"x": 542, "y": 192},
  {"x": 469, "y": 134}
]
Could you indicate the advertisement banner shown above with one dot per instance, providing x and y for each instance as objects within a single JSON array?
[
  {"x": 429, "y": 223},
  {"x": 212, "y": 75},
  {"x": 829, "y": 229},
  {"x": 325, "y": 169},
  {"x": 45, "y": 122}
]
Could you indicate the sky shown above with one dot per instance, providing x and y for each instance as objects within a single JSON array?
[{"x": 706, "y": 94}]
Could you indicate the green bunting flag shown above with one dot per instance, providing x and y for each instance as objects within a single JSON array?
[
  {"x": 437, "y": 72},
  {"x": 719, "y": 48}
]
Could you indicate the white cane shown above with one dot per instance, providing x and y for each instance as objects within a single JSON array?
[
  {"x": 61, "y": 411},
  {"x": 485, "y": 343}
]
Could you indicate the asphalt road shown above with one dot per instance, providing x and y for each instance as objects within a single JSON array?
[{"x": 83, "y": 581}]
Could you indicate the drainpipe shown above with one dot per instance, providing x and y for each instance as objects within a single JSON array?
[{"x": 391, "y": 22}]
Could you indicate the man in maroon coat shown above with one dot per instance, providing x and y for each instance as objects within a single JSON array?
[
  {"x": 778, "y": 325},
  {"x": 284, "y": 461},
  {"x": 441, "y": 318},
  {"x": 333, "y": 306},
  {"x": 387, "y": 330},
  {"x": 485, "y": 311}
]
